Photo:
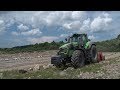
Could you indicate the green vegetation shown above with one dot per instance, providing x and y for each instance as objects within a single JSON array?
[
  {"x": 31, "y": 48},
  {"x": 51, "y": 73},
  {"x": 112, "y": 45}
]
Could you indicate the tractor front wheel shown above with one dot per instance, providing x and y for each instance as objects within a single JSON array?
[{"x": 78, "y": 59}]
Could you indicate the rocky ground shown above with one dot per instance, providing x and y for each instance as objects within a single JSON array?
[
  {"x": 25, "y": 60},
  {"x": 107, "y": 69}
]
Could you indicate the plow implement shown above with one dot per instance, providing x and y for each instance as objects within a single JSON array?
[{"x": 100, "y": 56}]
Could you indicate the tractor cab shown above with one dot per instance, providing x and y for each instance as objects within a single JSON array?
[{"x": 81, "y": 39}]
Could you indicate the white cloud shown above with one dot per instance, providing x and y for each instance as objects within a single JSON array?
[
  {"x": 68, "y": 21},
  {"x": 28, "y": 33},
  {"x": 75, "y": 25},
  {"x": 32, "y": 32},
  {"x": 22, "y": 27},
  {"x": 63, "y": 35},
  {"x": 1, "y": 22},
  {"x": 42, "y": 39},
  {"x": 101, "y": 23},
  {"x": 86, "y": 26},
  {"x": 15, "y": 33},
  {"x": 78, "y": 15},
  {"x": 49, "y": 18},
  {"x": 67, "y": 25},
  {"x": 91, "y": 37},
  {"x": 2, "y": 26},
  {"x": 53, "y": 18}
]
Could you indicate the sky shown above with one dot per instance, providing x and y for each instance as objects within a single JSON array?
[{"x": 18, "y": 28}]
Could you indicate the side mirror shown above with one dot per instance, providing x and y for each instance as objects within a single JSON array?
[
  {"x": 88, "y": 39},
  {"x": 65, "y": 39}
]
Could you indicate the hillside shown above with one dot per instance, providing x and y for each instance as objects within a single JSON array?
[
  {"x": 31, "y": 48},
  {"x": 106, "y": 46},
  {"x": 112, "y": 45}
]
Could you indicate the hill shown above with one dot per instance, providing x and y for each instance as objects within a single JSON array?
[{"x": 112, "y": 45}]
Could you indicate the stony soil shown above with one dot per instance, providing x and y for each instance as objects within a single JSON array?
[{"x": 109, "y": 68}]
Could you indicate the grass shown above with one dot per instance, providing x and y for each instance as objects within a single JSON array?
[
  {"x": 54, "y": 73},
  {"x": 50, "y": 73},
  {"x": 92, "y": 68}
]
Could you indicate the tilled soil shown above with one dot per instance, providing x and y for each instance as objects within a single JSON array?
[
  {"x": 25, "y": 60},
  {"x": 110, "y": 66}
]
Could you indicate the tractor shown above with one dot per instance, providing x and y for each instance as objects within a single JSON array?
[{"x": 76, "y": 52}]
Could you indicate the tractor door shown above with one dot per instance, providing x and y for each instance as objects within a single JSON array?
[{"x": 81, "y": 42}]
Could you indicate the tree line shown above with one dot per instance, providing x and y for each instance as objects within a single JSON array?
[{"x": 112, "y": 45}]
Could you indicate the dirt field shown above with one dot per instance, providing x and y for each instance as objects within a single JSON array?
[
  {"x": 25, "y": 60},
  {"x": 108, "y": 69}
]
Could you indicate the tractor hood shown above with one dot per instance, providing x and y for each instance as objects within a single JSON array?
[
  {"x": 68, "y": 45},
  {"x": 65, "y": 46}
]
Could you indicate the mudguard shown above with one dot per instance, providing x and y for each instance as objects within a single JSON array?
[{"x": 90, "y": 44}]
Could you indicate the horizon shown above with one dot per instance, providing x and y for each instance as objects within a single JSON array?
[
  {"x": 50, "y": 42},
  {"x": 19, "y": 28}
]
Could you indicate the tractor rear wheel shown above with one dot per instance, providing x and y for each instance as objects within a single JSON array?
[
  {"x": 78, "y": 59},
  {"x": 93, "y": 52}
]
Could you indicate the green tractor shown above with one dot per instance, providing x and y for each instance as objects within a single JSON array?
[{"x": 78, "y": 51}]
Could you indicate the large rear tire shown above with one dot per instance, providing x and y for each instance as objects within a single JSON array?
[
  {"x": 78, "y": 59},
  {"x": 93, "y": 53}
]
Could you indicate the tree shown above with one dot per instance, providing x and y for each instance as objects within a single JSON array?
[{"x": 118, "y": 37}]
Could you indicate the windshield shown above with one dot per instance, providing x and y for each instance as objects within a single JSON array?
[{"x": 73, "y": 39}]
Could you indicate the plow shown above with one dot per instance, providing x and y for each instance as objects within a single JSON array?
[{"x": 77, "y": 52}]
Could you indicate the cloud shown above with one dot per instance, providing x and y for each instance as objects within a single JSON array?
[
  {"x": 42, "y": 39},
  {"x": 15, "y": 33},
  {"x": 91, "y": 37},
  {"x": 85, "y": 26},
  {"x": 101, "y": 23},
  {"x": 63, "y": 35},
  {"x": 59, "y": 23},
  {"x": 32, "y": 32},
  {"x": 78, "y": 15},
  {"x": 28, "y": 33},
  {"x": 1, "y": 22},
  {"x": 22, "y": 27},
  {"x": 2, "y": 26},
  {"x": 75, "y": 25}
]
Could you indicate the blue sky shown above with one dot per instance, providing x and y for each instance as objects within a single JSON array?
[{"x": 19, "y": 28}]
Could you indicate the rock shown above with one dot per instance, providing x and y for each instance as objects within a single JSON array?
[
  {"x": 39, "y": 56},
  {"x": 45, "y": 66},
  {"x": 30, "y": 69},
  {"x": 29, "y": 77},
  {"x": 37, "y": 67},
  {"x": 22, "y": 71},
  {"x": 15, "y": 58},
  {"x": 6, "y": 59},
  {"x": 63, "y": 73},
  {"x": 70, "y": 68},
  {"x": 48, "y": 66}
]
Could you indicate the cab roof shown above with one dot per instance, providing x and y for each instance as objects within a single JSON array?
[{"x": 77, "y": 35}]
